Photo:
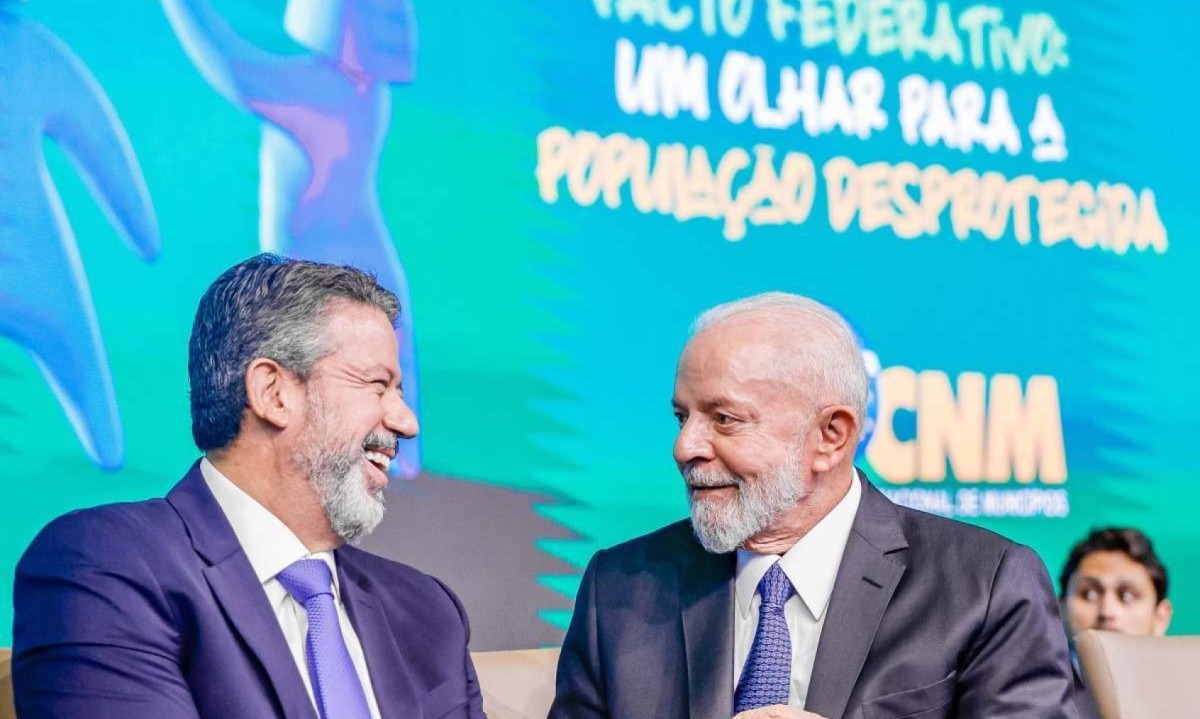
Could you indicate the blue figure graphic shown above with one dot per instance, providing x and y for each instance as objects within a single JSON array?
[
  {"x": 325, "y": 113},
  {"x": 45, "y": 303}
]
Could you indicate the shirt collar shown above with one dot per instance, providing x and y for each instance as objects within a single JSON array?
[
  {"x": 268, "y": 543},
  {"x": 811, "y": 564}
]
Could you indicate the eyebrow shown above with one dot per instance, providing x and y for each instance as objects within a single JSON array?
[
  {"x": 707, "y": 405},
  {"x": 1117, "y": 581},
  {"x": 372, "y": 372}
]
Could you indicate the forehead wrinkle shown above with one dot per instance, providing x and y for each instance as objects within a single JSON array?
[
  {"x": 751, "y": 398},
  {"x": 366, "y": 369},
  {"x": 800, "y": 340},
  {"x": 730, "y": 377},
  {"x": 742, "y": 354}
]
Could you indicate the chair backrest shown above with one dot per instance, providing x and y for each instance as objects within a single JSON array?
[
  {"x": 7, "y": 711},
  {"x": 1139, "y": 677},
  {"x": 517, "y": 684}
]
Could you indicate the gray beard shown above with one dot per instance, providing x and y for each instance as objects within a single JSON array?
[
  {"x": 353, "y": 509},
  {"x": 722, "y": 526}
]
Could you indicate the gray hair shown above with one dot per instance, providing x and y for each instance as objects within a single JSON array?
[
  {"x": 829, "y": 355},
  {"x": 267, "y": 306}
]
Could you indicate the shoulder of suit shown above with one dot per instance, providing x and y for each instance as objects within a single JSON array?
[
  {"x": 669, "y": 543},
  {"x": 925, "y": 531},
  {"x": 380, "y": 568},
  {"x": 108, "y": 534},
  {"x": 150, "y": 518}
]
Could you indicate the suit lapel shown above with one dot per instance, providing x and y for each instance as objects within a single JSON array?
[
  {"x": 865, "y": 582},
  {"x": 234, "y": 585},
  {"x": 706, "y": 603},
  {"x": 238, "y": 592},
  {"x": 390, "y": 679}
]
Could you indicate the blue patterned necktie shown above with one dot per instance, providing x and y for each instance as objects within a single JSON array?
[
  {"x": 767, "y": 676},
  {"x": 335, "y": 684}
]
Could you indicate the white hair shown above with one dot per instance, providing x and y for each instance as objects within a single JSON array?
[{"x": 829, "y": 354}]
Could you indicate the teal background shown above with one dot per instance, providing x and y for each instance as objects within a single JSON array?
[{"x": 548, "y": 333}]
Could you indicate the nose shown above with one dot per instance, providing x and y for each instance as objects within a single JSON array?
[
  {"x": 1108, "y": 609},
  {"x": 692, "y": 444},
  {"x": 400, "y": 419}
]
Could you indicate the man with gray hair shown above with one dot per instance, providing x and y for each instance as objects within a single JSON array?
[
  {"x": 797, "y": 589},
  {"x": 237, "y": 595}
]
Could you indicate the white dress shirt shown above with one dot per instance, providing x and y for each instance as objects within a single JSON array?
[
  {"x": 812, "y": 566},
  {"x": 271, "y": 547}
]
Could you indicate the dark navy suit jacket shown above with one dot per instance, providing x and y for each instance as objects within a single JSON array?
[
  {"x": 151, "y": 609},
  {"x": 929, "y": 618}
]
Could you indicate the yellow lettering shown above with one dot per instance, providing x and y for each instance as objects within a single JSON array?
[
  {"x": 1024, "y": 436},
  {"x": 552, "y": 151},
  {"x": 950, "y": 427},
  {"x": 680, "y": 181},
  {"x": 841, "y": 190},
  {"x": 876, "y": 203}
]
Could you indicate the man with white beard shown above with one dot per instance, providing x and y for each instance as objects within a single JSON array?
[
  {"x": 797, "y": 589},
  {"x": 238, "y": 595}
]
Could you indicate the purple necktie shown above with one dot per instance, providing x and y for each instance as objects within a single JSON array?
[
  {"x": 335, "y": 684},
  {"x": 767, "y": 676}
]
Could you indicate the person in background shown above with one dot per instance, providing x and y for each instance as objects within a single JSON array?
[
  {"x": 238, "y": 595},
  {"x": 1113, "y": 580}
]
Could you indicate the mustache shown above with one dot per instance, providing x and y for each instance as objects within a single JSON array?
[
  {"x": 702, "y": 478},
  {"x": 382, "y": 440}
]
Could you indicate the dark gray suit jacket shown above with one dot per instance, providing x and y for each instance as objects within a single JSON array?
[{"x": 929, "y": 618}]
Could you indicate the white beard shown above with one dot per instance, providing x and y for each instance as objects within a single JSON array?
[
  {"x": 353, "y": 508},
  {"x": 723, "y": 525}
]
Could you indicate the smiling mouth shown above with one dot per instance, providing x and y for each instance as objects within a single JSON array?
[
  {"x": 379, "y": 459},
  {"x": 379, "y": 448}
]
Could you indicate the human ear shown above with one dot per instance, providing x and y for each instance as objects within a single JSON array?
[
  {"x": 268, "y": 392},
  {"x": 1162, "y": 617},
  {"x": 837, "y": 438}
]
